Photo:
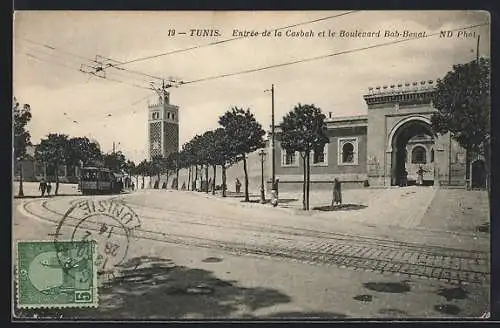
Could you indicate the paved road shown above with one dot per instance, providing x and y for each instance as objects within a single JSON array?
[
  {"x": 271, "y": 233},
  {"x": 195, "y": 227}
]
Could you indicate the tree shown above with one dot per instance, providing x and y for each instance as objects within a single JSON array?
[
  {"x": 463, "y": 101},
  {"x": 303, "y": 130},
  {"x": 172, "y": 165},
  {"x": 130, "y": 168},
  {"x": 243, "y": 134},
  {"x": 186, "y": 160},
  {"x": 143, "y": 170},
  {"x": 115, "y": 161},
  {"x": 206, "y": 154},
  {"x": 82, "y": 150},
  {"x": 157, "y": 167},
  {"x": 21, "y": 118},
  {"x": 53, "y": 151},
  {"x": 222, "y": 155}
]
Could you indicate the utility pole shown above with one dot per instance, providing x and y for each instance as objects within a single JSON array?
[
  {"x": 477, "y": 49},
  {"x": 272, "y": 132}
]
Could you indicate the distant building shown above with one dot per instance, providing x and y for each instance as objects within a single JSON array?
[
  {"x": 163, "y": 127},
  {"x": 376, "y": 148},
  {"x": 34, "y": 170}
]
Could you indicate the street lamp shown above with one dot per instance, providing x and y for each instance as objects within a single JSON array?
[
  {"x": 21, "y": 191},
  {"x": 262, "y": 154}
]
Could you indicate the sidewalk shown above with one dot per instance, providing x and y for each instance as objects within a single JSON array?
[
  {"x": 30, "y": 189},
  {"x": 373, "y": 213}
]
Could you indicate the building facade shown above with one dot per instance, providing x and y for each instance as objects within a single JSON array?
[
  {"x": 34, "y": 170},
  {"x": 163, "y": 127},
  {"x": 375, "y": 149}
]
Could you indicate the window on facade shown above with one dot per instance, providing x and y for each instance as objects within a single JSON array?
[
  {"x": 348, "y": 153},
  {"x": 319, "y": 155},
  {"x": 418, "y": 155},
  {"x": 156, "y": 116},
  {"x": 432, "y": 155},
  {"x": 288, "y": 157},
  {"x": 173, "y": 117},
  {"x": 168, "y": 115}
]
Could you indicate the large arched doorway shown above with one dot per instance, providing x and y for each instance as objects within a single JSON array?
[
  {"x": 412, "y": 147},
  {"x": 479, "y": 174}
]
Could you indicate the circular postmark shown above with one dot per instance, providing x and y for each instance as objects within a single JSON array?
[{"x": 108, "y": 222}]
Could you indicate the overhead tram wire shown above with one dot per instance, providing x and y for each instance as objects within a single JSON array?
[
  {"x": 74, "y": 60},
  {"x": 55, "y": 49},
  {"x": 232, "y": 39},
  {"x": 344, "y": 52},
  {"x": 76, "y": 69}
]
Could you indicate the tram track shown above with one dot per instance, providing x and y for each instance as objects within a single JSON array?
[{"x": 357, "y": 253}]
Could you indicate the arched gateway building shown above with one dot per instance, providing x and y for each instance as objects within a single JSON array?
[{"x": 376, "y": 148}]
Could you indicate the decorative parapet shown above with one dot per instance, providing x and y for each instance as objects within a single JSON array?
[
  {"x": 155, "y": 105},
  {"x": 415, "y": 92}
]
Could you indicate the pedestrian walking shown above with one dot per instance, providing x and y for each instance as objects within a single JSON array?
[
  {"x": 237, "y": 184},
  {"x": 404, "y": 178},
  {"x": 49, "y": 188},
  {"x": 337, "y": 193},
  {"x": 210, "y": 183},
  {"x": 183, "y": 187},
  {"x": 420, "y": 175},
  {"x": 198, "y": 185},
  {"x": 43, "y": 186},
  {"x": 132, "y": 185},
  {"x": 274, "y": 192}
]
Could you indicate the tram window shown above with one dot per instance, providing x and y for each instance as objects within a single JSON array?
[{"x": 104, "y": 176}]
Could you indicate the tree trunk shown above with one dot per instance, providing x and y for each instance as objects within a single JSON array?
[
  {"x": 486, "y": 152},
  {"x": 304, "y": 184},
  {"x": 308, "y": 180},
  {"x": 57, "y": 179},
  {"x": 247, "y": 198},
  {"x": 177, "y": 177},
  {"x": 468, "y": 168},
  {"x": 206, "y": 178},
  {"x": 21, "y": 191},
  {"x": 195, "y": 176},
  {"x": 189, "y": 177},
  {"x": 213, "y": 183},
  {"x": 224, "y": 180}
]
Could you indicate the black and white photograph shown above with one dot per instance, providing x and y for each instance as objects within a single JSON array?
[{"x": 251, "y": 165}]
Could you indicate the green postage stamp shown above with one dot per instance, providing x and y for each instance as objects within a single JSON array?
[{"x": 56, "y": 274}]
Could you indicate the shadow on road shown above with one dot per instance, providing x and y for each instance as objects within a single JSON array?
[
  {"x": 305, "y": 315},
  {"x": 51, "y": 196},
  {"x": 280, "y": 201},
  {"x": 452, "y": 293},
  {"x": 485, "y": 227},
  {"x": 388, "y": 287},
  {"x": 447, "y": 309},
  {"x": 343, "y": 207},
  {"x": 156, "y": 288}
]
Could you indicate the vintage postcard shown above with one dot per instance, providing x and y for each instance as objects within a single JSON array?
[{"x": 243, "y": 165}]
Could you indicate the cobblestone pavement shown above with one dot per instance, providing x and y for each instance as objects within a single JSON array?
[{"x": 277, "y": 234}]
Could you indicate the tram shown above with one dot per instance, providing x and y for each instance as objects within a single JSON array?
[{"x": 96, "y": 180}]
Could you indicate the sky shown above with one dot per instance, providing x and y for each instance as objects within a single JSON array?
[{"x": 50, "y": 48}]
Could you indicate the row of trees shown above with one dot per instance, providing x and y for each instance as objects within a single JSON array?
[
  {"x": 59, "y": 149},
  {"x": 238, "y": 135},
  {"x": 303, "y": 130}
]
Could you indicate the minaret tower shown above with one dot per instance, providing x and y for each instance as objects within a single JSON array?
[{"x": 163, "y": 125}]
